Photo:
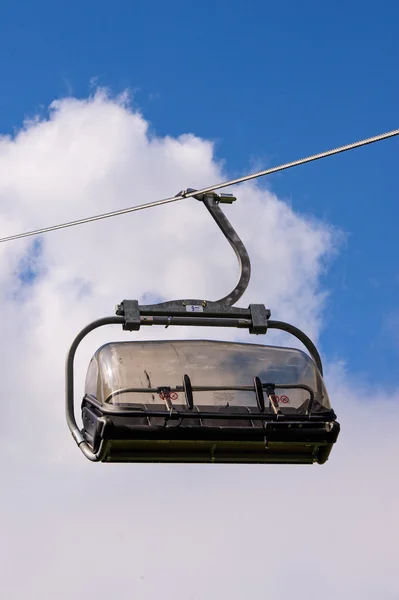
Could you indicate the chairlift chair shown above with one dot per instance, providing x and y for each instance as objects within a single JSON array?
[{"x": 200, "y": 401}]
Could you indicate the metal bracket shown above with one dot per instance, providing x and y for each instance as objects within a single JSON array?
[
  {"x": 193, "y": 313},
  {"x": 131, "y": 313},
  {"x": 259, "y": 318}
]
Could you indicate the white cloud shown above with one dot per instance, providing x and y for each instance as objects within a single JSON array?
[{"x": 179, "y": 531}]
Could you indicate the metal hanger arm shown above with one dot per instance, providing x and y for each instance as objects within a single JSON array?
[{"x": 211, "y": 200}]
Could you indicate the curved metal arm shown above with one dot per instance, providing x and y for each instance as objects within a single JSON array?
[
  {"x": 302, "y": 337},
  {"x": 238, "y": 247},
  {"x": 211, "y": 201},
  {"x": 69, "y": 389}
]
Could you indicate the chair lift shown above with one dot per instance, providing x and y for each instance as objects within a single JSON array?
[{"x": 199, "y": 401}]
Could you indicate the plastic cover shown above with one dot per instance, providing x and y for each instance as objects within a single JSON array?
[{"x": 120, "y": 366}]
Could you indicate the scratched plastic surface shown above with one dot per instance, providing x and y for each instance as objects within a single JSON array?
[{"x": 118, "y": 367}]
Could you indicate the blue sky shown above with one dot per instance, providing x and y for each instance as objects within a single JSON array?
[{"x": 269, "y": 84}]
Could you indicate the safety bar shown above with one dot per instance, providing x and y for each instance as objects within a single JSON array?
[{"x": 165, "y": 390}]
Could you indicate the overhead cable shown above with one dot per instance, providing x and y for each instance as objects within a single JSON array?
[{"x": 217, "y": 186}]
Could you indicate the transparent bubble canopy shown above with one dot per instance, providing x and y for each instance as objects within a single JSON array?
[{"x": 120, "y": 372}]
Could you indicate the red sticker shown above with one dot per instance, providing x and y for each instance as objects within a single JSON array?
[
  {"x": 284, "y": 399},
  {"x": 168, "y": 395}
]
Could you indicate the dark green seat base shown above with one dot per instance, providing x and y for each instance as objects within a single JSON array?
[{"x": 214, "y": 451}]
